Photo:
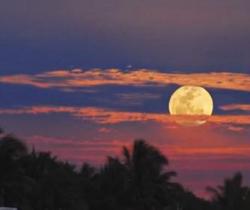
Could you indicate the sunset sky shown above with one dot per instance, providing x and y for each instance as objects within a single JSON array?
[{"x": 81, "y": 78}]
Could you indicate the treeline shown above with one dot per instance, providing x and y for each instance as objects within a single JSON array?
[{"x": 138, "y": 180}]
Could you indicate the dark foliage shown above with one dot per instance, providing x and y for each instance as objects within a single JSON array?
[{"x": 138, "y": 180}]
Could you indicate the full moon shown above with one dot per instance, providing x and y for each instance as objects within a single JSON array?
[{"x": 189, "y": 102}]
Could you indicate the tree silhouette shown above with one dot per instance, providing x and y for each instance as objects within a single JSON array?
[
  {"x": 12, "y": 148},
  {"x": 56, "y": 183},
  {"x": 13, "y": 183},
  {"x": 150, "y": 186},
  {"x": 232, "y": 195},
  {"x": 139, "y": 179}
]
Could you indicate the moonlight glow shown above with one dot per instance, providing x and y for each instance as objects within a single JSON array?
[{"x": 191, "y": 101}]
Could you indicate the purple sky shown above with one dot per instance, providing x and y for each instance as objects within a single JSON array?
[{"x": 82, "y": 78}]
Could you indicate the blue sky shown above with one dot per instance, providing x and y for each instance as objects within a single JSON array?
[{"x": 168, "y": 35}]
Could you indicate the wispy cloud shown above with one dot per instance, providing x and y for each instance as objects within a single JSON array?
[
  {"x": 77, "y": 151},
  {"x": 98, "y": 115},
  {"x": 235, "y": 128},
  {"x": 107, "y": 116},
  {"x": 77, "y": 78},
  {"x": 95, "y": 151},
  {"x": 136, "y": 98},
  {"x": 231, "y": 107}
]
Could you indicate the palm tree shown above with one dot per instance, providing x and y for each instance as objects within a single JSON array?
[
  {"x": 136, "y": 181},
  {"x": 232, "y": 195},
  {"x": 150, "y": 186}
]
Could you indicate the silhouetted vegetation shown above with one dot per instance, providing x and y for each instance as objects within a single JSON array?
[{"x": 138, "y": 180}]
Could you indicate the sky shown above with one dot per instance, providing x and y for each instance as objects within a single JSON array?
[{"x": 82, "y": 78}]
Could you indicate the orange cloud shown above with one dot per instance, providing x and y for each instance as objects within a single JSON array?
[
  {"x": 230, "y": 107},
  {"x": 107, "y": 116},
  {"x": 78, "y": 78}
]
